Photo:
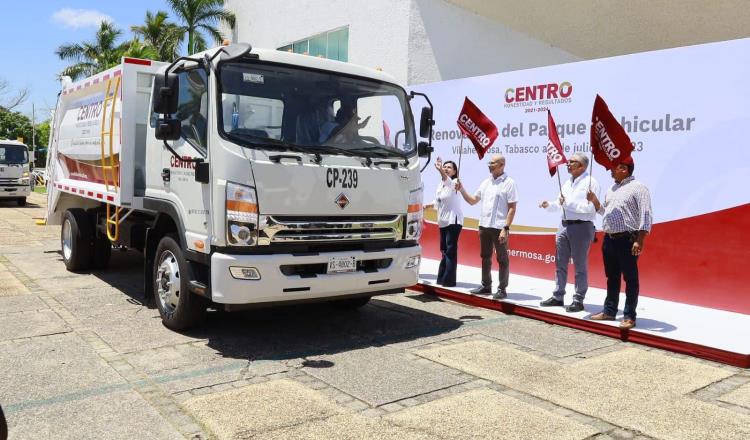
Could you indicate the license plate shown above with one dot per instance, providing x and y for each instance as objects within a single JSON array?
[{"x": 342, "y": 264}]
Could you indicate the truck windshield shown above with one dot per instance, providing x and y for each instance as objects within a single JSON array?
[
  {"x": 273, "y": 106},
  {"x": 13, "y": 154}
]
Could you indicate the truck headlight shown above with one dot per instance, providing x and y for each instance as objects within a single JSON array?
[
  {"x": 242, "y": 215},
  {"x": 414, "y": 215},
  {"x": 23, "y": 180}
]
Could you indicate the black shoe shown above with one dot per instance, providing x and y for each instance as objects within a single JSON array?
[
  {"x": 449, "y": 284},
  {"x": 552, "y": 302},
  {"x": 480, "y": 290},
  {"x": 500, "y": 294},
  {"x": 575, "y": 306}
]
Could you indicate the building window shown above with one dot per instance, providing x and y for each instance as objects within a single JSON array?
[{"x": 333, "y": 45}]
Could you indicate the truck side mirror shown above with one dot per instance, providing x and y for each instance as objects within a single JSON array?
[
  {"x": 168, "y": 129},
  {"x": 425, "y": 122},
  {"x": 166, "y": 91},
  {"x": 424, "y": 149}
]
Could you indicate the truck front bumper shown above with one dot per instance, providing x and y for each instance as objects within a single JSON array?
[
  {"x": 276, "y": 286},
  {"x": 14, "y": 192}
]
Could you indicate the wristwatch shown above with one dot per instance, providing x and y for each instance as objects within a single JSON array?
[{"x": 506, "y": 227}]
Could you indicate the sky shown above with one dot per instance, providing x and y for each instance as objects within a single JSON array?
[{"x": 32, "y": 30}]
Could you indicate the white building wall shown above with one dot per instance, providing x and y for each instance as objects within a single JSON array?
[
  {"x": 449, "y": 42},
  {"x": 416, "y": 41},
  {"x": 378, "y": 30}
]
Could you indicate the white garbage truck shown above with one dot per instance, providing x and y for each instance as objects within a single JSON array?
[
  {"x": 244, "y": 176},
  {"x": 14, "y": 171}
]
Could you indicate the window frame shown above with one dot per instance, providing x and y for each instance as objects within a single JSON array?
[{"x": 203, "y": 150}]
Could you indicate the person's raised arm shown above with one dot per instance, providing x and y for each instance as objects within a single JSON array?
[{"x": 439, "y": 168}]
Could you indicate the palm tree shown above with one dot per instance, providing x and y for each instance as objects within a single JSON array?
[
  {"x": 136, "y": 48},
  {"x": 158, "y": 33},
  {"x": 91, "y": 57},
  {"x": 201, "y": 15}
]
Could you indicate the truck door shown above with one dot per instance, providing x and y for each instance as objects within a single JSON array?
[{"x": 178, "y": 176}]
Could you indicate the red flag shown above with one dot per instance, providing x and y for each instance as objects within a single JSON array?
[
  {"x": 555, "y": 155},
  {"x": 609, "y": 141},
  {"x": 387, "y": 134},
  {"x": 477, "y": 127}
]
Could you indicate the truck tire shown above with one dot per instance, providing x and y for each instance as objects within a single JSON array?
[
  {"x": 75, "y": 240},
  {"x": 352, "y": 303},
  {"x": 179, "y": 308},
  {"x": 21, "y": 201},
  {"x": 101, "y": 250}
]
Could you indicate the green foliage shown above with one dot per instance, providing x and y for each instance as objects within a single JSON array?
[
  {"x": 91, "y": 57},
  {"x": 14, "y": 125},
  {"x": 199, "y": 16},
  {"x": 42, "y": 137},
  {"x": 161, "y": 35},
  {"x": 157, "y": 38}
]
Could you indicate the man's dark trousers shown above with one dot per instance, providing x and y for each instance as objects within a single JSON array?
[
  {"x": 449, "y": 248},
  {"x": 488, "y": 240},
  {"x": 619, "y": 262}
]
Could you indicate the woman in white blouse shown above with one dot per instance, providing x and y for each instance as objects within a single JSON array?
[{"x": 450, "y": 220}]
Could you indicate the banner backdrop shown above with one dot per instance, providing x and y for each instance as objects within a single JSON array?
[{"x": 686, "y": 112}]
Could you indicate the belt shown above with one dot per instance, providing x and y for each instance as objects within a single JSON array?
[
  {"x": 619, "y": 234},
  {"x": 574, "y": 222}
]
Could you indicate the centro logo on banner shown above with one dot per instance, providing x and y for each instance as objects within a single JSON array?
[{"x": 539, "y": 92}]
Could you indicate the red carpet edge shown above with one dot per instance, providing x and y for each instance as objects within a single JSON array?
[{"x": 634, "y": 336}]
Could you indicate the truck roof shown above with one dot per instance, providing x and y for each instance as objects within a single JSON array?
[
  {"x": 294, "y": 59},
  {"x": 11, "y": 142}
]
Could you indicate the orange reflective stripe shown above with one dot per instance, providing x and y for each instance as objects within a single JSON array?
[
  {"x": 414, "y": 208},
  {"x": 241, "y": 206}
]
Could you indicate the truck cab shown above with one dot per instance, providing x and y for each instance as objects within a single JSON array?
[{"x": 14, "y": 171}]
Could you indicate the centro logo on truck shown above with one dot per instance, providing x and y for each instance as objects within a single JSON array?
[{"x": 550, "y": 93}]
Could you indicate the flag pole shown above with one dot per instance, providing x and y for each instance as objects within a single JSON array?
[
  {"x": 460, "y": 155},
  {"x": 591, "y": 163},
  {"x": 559, "y": 184}
]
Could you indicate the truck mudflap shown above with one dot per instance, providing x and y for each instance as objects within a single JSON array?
[{"x": 252, "y": 279}]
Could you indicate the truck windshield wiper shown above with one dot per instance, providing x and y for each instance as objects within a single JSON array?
[
  {"x": 268, "y": 143},
  {"x": 382, "y": 150},
  {"x": 334, "y": 150}
]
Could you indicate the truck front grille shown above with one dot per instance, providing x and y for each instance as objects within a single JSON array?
[{"x": 296, "y": 229}]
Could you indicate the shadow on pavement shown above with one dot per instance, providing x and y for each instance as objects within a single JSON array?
[
  {"x": 317, "y": 329},
  {"x": 287, "y": 332}
]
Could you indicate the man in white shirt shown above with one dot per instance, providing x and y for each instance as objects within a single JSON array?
[
  {"x": 574, "y": 237},
  {"x": 499, "y": 198}
]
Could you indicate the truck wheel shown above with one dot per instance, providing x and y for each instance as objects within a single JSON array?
[
  {"x": 75, "y": 239},
  {"x": 100, "y": 252},
  {"x": 352, "y": 303},
  {"x": 22, "y": 201},
  {"x": 178, "y": 307}
]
